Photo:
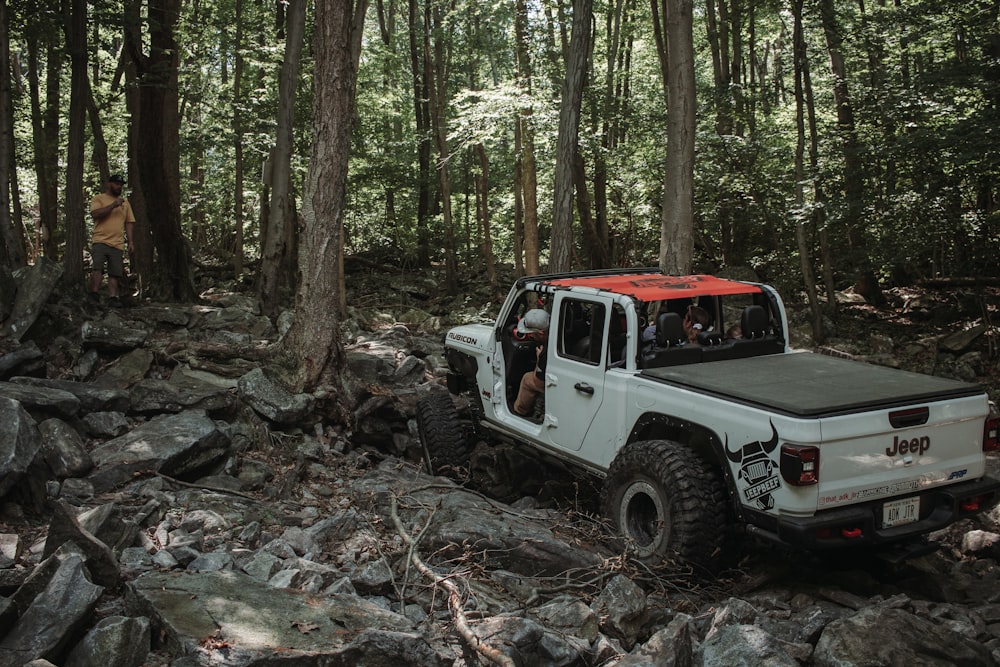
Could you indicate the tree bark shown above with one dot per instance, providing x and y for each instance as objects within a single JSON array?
[
  {"x": 866, "y": 283},
  {"x": 803, "y": 216},
  {"x": 274, "y": 247},
  {"x": 483, "y": 215},
  {"x": 578, "y": 58},
  {"x": 238, "y": 204},
  {"x": 422, "y": 116},
  {"x": 527, "y": 169},
  {"x": 677, "y": 217},
  {"x": 45, "y": 134},
  {"x": 13, "y": 254},
  {"x": 76, "y": 39},
  {"x": 154, "y": 151},
  {"x": 313, "y": 341}
]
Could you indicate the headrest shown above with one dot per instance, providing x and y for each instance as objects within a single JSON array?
[
  {"x": 709, "y": 338},
  {"x": 754, "y": 322},
  {"x": 669, "y": 330}
]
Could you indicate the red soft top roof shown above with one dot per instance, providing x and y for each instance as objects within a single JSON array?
[{"x": 655, "y": 286}]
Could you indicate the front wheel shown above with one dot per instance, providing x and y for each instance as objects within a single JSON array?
[
  {"x": 442, "y": 435},
  {"x": 665, "y": 501}
]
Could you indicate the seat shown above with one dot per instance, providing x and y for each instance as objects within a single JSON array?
[
  {"x": 669, "y": 348},
  {"x": 754, "y": 323}
]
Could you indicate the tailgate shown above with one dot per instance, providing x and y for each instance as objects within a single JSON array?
[{"x": 900, "y": 452}]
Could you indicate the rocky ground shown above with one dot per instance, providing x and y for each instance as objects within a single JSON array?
[{"x": 163, "y": 503}]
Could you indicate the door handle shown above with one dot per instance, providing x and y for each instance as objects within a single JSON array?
[{"x": 584, "y": 388}]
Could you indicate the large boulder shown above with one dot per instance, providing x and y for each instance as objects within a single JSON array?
[
  {"x": 35, "y": 284},
  {"x": 272, "y": 401},
  {"x": 175, "y": 445},
  {"x": 19, "y": 443}
]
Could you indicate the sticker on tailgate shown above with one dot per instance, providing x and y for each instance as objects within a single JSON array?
[{"x": 870, "y": 493}]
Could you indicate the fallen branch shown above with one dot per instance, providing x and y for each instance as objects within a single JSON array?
[{"x": 470, "y": 638}]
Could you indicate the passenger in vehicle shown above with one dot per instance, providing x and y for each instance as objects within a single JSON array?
[
  {"x": 734, "y": 332},
  {"x": 533, "y": 326},
  {"x": 696, "y": 320}
]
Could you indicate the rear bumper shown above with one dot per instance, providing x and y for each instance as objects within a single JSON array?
[{"x": 861, "y": 524}]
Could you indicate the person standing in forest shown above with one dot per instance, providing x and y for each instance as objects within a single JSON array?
[{"x": 113, "y": 225}]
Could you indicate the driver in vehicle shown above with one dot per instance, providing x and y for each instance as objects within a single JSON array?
[{"x": 533, "y": 326}]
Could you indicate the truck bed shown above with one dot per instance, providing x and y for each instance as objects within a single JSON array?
[{"x": 812, "y": 385}]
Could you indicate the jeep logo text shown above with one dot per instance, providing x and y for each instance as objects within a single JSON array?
[{"x": 904, "y": 446}]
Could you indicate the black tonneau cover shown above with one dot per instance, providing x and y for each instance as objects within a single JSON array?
[{"x": 812, "y": 385}]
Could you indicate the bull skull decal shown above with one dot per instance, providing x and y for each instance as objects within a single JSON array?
[{"x": 757, "y": 470}]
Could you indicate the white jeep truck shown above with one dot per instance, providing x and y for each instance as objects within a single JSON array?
[{"x": 692, "y": 437}]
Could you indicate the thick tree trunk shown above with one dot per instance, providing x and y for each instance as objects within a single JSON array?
[
  {"x": 158, "y": 158},
  {"x": 437, "y": 55},
  {"x": 76, "y": 39},
  {"x": 313, "y": 341},
  {"x": 527, "y": 169},
  {"x": 141, "y": 260},
  {"x": 561, "y": 255},
  {"x": 275, "y": 251},
  {"x": 677, "y": 218},
  {"x": 13, "y": 255}
]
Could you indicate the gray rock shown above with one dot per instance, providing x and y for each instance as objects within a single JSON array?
[
  {"x": 22, "y": 357},
  {"x": 744, "y": 646},
  {"x": 76, "y": 491},
  {"x": 528, "y": 642},
  {"x": 171, "y": 444},
  {"x": 126, "y": 370},
  {"x": 673, "y": 646},
  {"x": 63, "y": 450},
  {"x": 299, "y": 540},
  {"x": 19, "y": 443},
  {"x": 134, "y": 561},
  {"x": 271, "y": 400},
  {"x": 622, "y": 609},
  {"x": 116, "y": 641},
  {"x": 92, "y": 399},
  {"x": 570, "y": 615},
  {"x": 211, "y": 562},
  {"x": 42, "y": 399},
  {"x": 960, "y": 340},
  {"x": 10, "y": 549},
  {"x": 465, "y": 520},
  {"x": 34, "y": 285},
  {"x": 65, "y": 527},
  {"x": 981, "y": 543},
  {"x": 107, "y": 524},
  {"x": 262, "y": 566},
  {"x": 880, "y": 636},
  {"x": 111, "y": 338},
  {"x": 251, "y": 623},
  {"x": 373, "y": 578},
  {"x": 165, "y": 560},
  {"x": 68, "y": 597},
  {"x": 106, "y": 424},
  {"x": 173, "y": 396}
]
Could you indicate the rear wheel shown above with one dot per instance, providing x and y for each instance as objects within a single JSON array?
[
  {"x": 442, "y": 434},
  {"x": 665, "y": 501}
]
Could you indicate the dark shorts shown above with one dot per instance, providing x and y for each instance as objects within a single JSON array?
[{"x": 101, "y": 253}]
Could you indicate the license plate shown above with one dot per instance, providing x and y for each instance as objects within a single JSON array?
[{"x": 898, "y": 512}]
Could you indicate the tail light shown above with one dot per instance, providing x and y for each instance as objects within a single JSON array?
[
  {"x": 991, "y": 441},
  {"x": 800, "y": 464}
]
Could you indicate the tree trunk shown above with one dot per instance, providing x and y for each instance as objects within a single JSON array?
[
  {"x": 313, "y": 341},
  {"x": 561, "y": 255},
  {"x": 483, "y": 215},
  {"x": 437, "y": 56},
  {"x": 274, "y": 251},
  {"x": 422, "y": 116},
  {"x": 76, "y": 39},
  {"x": 528, "y": 172},
  {"x": 158, "y": 159},
  {"x": 677, "y": 217},
  {"x": 866, "y": 283},
  {"x": 238, "y": 147},
  {"x": 13, "y": 254},
  {"x": 45, "y": 137},
  {"x": 141, "y": 261},
  {"x": 801, "y": 232}
]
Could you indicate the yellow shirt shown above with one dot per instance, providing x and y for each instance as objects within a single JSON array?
[{"x": 111, "y": 230}]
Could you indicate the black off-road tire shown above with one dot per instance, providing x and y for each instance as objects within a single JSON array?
[
  {"x": 666, "y": 502},
  {"x": 442, "y": 434}
]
